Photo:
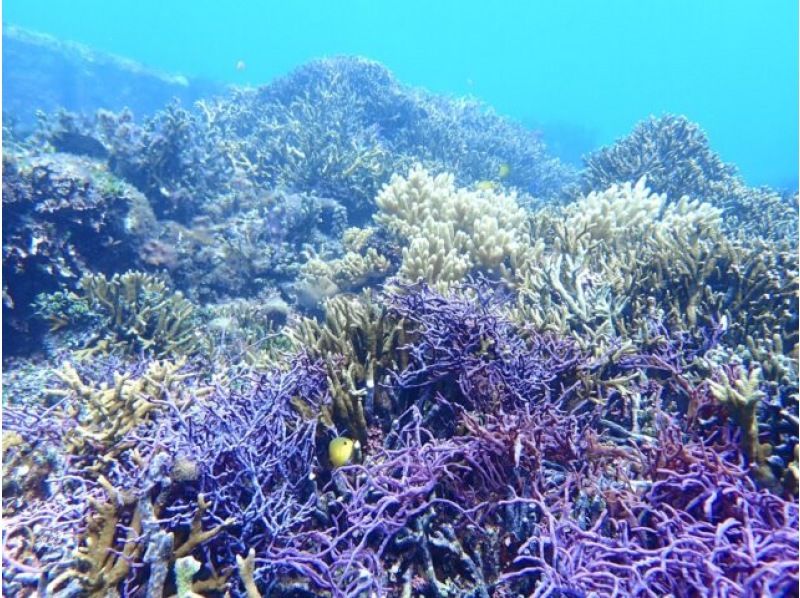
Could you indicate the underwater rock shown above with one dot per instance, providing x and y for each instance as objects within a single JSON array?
[
  {"x": 63, "y": 216},
  {"x": 41, "y": 72}
]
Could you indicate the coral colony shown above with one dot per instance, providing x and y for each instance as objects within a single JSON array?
[{"x": 338, "y": 337}]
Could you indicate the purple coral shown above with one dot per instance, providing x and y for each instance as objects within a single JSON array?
[
  {"x": 458, "y": 342},
  {"x": 510, "y": 467}
]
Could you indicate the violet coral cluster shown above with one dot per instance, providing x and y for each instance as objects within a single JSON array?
[{"x": 508, "y": 466}]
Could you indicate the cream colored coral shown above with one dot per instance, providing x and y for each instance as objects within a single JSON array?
[
  {"x": 321, "y": 279},
  {"x": 450, "y": 232},
  {"x": 602, "y": 247},
  {"x": 627, "y": 213},
  {"x": 354, "y": 238}
]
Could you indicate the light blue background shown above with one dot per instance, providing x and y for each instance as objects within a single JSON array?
[{"x": 585, "y": 70}]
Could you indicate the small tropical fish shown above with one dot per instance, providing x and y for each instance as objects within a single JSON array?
[
  {"x": 240, "y": 65},
  {"x": 486, "y": 185},
  {"x": 341, "y": 450},
  {"x": 503, "y": 171}
]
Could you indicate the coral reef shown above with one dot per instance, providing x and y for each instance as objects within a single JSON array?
[
  {"x": 435, "y": 231},
  {"x": 488, "y": 449},
  {"x": 338, "y": 337},
  {"x": 335, "y": 128},
  {"x": 359, "y": 344},
  {"x": 244, "y": 186},
  {"x": 262, "y": 242},
  {"x": 672, "y": 152}
]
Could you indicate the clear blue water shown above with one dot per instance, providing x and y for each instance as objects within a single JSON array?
[{"x": 583, "y": 72}]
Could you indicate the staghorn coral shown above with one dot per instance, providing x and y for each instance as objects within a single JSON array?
[
  {"x": 335, "y": 128},
  {"x": 118, "y": 533},
  {"x": 104, "y": 414},
  {"x": 739, "y": 390},
  {"x": 672, "y": 152},
  {"x": 618, "y": 257},
  {"x": 128, "y": 313},
  {"x": 343, "y": 125},
  {"x": 761, "y": 213},
  {"x": 358, "y": 344},
  {"x": 582, "y": 272}
]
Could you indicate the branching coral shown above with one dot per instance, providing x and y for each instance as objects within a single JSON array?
[
  {"x": 672, "y": 152},
  {"x": 335, "y": 128},
  {"x": 104, "y": 414},
  {"x": 321, "y": 278},
  {"x": 675, "y": 156},
  {"x": 740, "y": 392},
  {"x": 445, "y": 234},
  {"x": 496, "y": 459},
  {"x": 359, "y": 344},
  {"x": 589, "y": 399},
  {"x": 247, "y": 329},
  {"x": 618, "y": 257},
  {"x": 134, "y": 312},
  {"x": 450, "y": 232}
]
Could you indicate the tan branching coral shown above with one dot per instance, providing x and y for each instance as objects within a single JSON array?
[
  {"x": 616, "y": 257},
  {"x": 105, "y": 413},
  {"x": 445, "y": 234},
  {"x": 134, "y": 312},
  {"x": 246, "y": 566},
  {"x": 113, "y": 542},
  {"x": 105, "y": 554},
  {"x": 742, "y": 395},
  {"x": 358, "y": 342}
]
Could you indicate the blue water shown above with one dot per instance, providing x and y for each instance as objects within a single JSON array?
[{"x": 582, "y": 72}]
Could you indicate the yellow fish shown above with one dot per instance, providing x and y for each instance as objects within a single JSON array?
[
  {"x": 341, "y": 450},
  {"x": 486, "y": 185},
  {"x": 503, "y": 171}
]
